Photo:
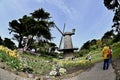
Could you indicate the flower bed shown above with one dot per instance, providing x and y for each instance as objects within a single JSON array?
[
  {"x": 11, "y": 53},
  {"x": 10, "y": 58},
  {"x": 40, "y": 65}
]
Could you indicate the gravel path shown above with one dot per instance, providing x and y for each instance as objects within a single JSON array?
[{"x": 96, "y": 73}]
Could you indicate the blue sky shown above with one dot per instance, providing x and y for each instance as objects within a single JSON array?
[{"x": 90, "y": 18}]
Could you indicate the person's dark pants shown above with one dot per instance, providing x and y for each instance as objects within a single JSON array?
[
  {"x": 110, "y": 60},
  {"x": 106, "y": 64}
]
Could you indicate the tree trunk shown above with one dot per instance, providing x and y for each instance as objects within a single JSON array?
[
  {"x": 20, "y": 42},
  {"x": 28, "y": 42}
]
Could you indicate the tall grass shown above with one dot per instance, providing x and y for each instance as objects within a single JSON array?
[{"x": 116, "y": 49}]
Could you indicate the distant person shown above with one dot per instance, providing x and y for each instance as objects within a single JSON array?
[
  {"x": 88, "y": 57},
  {"x": 105, "y": 54}
]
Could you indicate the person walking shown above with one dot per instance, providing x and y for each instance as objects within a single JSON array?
[{"x": 105, "y": 55}]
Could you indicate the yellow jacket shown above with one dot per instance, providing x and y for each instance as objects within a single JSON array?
[{"x": 105, "y": 52}]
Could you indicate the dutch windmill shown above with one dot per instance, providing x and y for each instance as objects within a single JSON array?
[{"x": 66, "y": 39}]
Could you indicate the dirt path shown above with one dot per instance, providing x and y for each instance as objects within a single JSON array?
[{"x": 96, "y": 73}]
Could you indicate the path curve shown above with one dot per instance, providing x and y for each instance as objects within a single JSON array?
[{"x": 96, "y": 73}]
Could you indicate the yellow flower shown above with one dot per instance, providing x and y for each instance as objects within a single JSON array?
[{"x": 9, "y": 52}]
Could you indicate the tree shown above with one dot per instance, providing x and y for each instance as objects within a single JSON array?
[
  {"x": 8, "y": 43},
  {"x": 28, "y": 28},
  {"x": 116, "y": 38},
  {"x": 1, "y": 41},
  {"x": 111, "y": 4},
  {"x": 43, "y": 23},
  {"x": 99, "y": 43},
  {"x": 41, "y": 15},
  {"x": 93, "y": 42},
  {"x": 115, "y": 6},
  {"x": 86, "y": 45},
  {"x": 108, "y": 37},
  {"x": 18, "y": 29}
]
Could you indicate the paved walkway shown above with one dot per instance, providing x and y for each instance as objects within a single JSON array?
[
  {"x": 6, "y": 75},
  {"x": 96, "y": 73}
]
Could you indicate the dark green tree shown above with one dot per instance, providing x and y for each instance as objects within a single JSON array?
[
  {"x": 18, "y": 29},
  {"x": 1, "y": 41},
  {"x": 8, "y": 43},
  {"x": 28, "y": 28},
  {"x": 86, "y": 45},
  {"x": 115, "y": 6},
  {"x": 111, "y": 4},
  {"x": 108, "y": 37},
  {"x": 43, "y": 24},
  {"x": 116, "y": 38},
  {"x": 93, "y": 42}
]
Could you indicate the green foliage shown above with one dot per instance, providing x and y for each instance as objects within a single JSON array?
[
  {"x": 110, "y": 5},
  {"x": 116, "y": 49},
  {"x": 36, "y": 64},
  {"x": 116, "y": 38},
  {"x": 108, "y": 37},
  {"x": 93, "y": 47},
  {"x": 99, "y": 43},
  {"x": 96, "y": 56},
  {"x": 1, "y": 41},
  {"x": 77, "y": 54},
  {"x": 14, "y": 63},
  {"x": 114, "y": 5},
  {"x": 37, "y": 25},
  {"x": 86, "y": 45},
  {"x": 8, "y": 43},
  {"x": 83, "y": 52},
  {"x": 28, "y": 70},
  {"x": 10, "y": 61}
]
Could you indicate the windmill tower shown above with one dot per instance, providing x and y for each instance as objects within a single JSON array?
[{"x": 68, "y": 49}]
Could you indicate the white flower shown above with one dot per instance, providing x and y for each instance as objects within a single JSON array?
[
  {"x": 53, "y": 73},
  {"x": 62, "y": 71}
]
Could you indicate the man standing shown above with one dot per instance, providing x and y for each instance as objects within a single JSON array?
[{"x": 105, "y": 55}]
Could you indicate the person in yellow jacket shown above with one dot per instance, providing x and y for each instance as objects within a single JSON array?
[{"x": 105, "y": 55}]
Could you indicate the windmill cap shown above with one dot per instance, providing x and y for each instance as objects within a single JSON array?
[{"x": 68, "y": 33}]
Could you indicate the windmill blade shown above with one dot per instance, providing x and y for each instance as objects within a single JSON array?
[
  {"x": 60, "y": 42},
  {"x": 59, "y": 30},
  {"x": 64, "y": 28},
  {"x": 62, "y": 37}
]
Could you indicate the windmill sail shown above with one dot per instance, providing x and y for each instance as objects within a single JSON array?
[
  {"x": 67, "y": 48},
  {"x": 62, "y": 37}
]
